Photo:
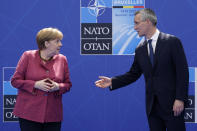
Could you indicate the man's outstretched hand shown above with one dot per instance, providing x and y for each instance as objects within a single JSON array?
[{"x": 104, "y": 82}]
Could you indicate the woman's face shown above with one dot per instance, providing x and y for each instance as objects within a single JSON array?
[{"x": 53, "y": 46}]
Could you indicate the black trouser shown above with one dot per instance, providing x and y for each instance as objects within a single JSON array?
[
  {"x": 27, "y": 125},
  {"x": 160, "y": 121}
]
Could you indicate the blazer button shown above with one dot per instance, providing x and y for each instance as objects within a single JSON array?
[{"x": 47, "y": 72}]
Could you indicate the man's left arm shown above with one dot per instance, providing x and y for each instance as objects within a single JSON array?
[{"x": 182, "y": 76}]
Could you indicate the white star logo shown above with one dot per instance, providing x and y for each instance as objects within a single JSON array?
[{"x": 96, "y": 7}]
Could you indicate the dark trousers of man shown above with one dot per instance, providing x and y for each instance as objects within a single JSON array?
[
  {"x": 27, "y": 125},
  {"x": 160, "y": 121}
]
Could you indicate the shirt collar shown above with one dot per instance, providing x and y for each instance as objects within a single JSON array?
[{"x": 155, "y": 35}]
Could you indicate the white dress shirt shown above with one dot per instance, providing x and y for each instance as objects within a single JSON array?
[{"x": 154, "y": 41}]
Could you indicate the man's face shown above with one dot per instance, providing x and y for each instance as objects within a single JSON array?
[{"x": 140, "y": 26}]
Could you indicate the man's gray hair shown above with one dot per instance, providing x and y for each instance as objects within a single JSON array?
[{"x": 147, "y": 14}]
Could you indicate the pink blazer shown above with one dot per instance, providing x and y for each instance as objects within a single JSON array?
[{"x": 34, "y": 104}]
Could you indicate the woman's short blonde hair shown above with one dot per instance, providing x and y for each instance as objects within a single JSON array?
[{"x": 47, "y": 34}]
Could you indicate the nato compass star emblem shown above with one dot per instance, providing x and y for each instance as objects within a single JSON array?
[{"x": 96, "y": 7}]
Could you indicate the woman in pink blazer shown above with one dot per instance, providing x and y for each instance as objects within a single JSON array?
[{"x": 41, "y": 77}]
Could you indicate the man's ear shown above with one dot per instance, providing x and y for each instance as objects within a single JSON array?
[{"x": 148, "y": 21}]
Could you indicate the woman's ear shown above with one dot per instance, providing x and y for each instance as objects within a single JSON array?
[{"x": 46, "y": 44}]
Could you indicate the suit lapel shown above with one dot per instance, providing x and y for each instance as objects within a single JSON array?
[
  {"x": 158, "y": 49},
  {"x": 145, "y": 52}
]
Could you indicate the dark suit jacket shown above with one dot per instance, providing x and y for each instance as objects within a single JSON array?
[{"x": 167, "y": 80}]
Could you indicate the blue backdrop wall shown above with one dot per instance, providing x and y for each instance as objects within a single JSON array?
[{"x": 87, "y": 108}]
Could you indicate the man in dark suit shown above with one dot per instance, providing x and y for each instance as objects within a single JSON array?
[{"x": 161, "y": 59}]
